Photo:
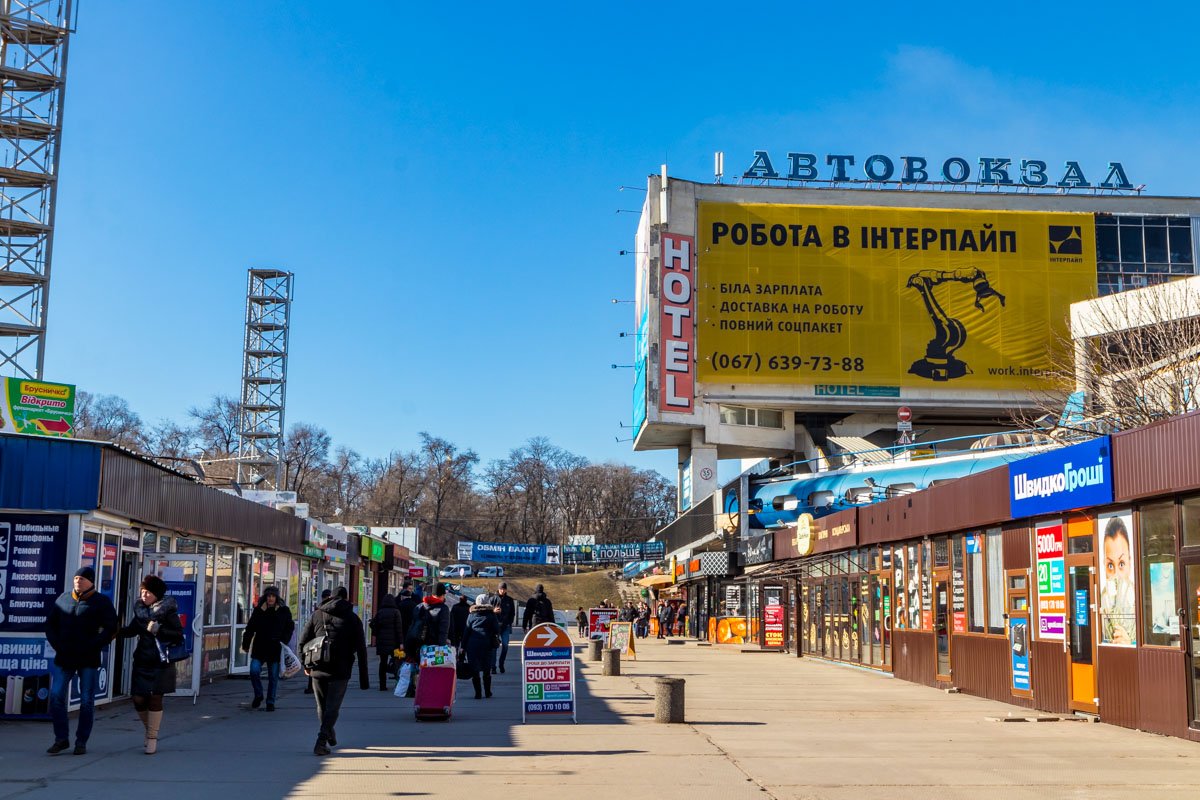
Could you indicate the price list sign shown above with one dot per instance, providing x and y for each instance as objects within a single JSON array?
[{"x": 548, "y": 673}]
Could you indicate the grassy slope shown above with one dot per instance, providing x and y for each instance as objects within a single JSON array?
[{"x": 568, "y": 592}]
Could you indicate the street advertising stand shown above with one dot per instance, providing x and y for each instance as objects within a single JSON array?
[
  {"x": 547, "y": 673},
  {"x": 599, "y": 620},
  {"x": 620, "y": 637}
]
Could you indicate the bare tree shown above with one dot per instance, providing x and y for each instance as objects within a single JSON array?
[
  {"x": 109, "y": 418},
  {"x": 305, "y": 454},
  {"x": 448, "y": 498},
  {"x": 1134, "y": 358},
  {"x": 216, "y": 426},
  {"x": 394, "y": 486}
]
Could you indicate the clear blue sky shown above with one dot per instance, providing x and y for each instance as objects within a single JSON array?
[{"x": 443, "y": 179}]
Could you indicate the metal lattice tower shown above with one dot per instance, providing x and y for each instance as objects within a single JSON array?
[
  {"x": 264, "y": 378},
  {"x": 33, "y": 70}
]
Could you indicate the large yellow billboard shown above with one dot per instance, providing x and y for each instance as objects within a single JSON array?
[{"x": 887, "y": 296}]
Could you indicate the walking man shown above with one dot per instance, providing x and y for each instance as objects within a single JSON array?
[
  {"x": 538, "y": 609},
  {"x": 431, "y": 625},
  {"x": 581, "y": 619},
  {"x": 458, "y": 620},
  {"x": 506, "y": 615},
  {"x": 388, "y": 627},
  {"x": 80, "y": 625},
  {"x": 664, "y": 619},
  {"x": 336, "y": 620},
  {"x": 270, "y": 627},
  {"x": 325, "y": 595}
]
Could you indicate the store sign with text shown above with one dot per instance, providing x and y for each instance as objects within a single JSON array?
[
  {"x": 510, "y": 553},
  {"x": 1060, "y": 480},
  {"x": 1051, "y": 581},
  {"x": 677, "y": 324}
]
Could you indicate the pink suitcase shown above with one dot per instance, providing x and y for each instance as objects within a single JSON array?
[{"x": 435, "y": 692}]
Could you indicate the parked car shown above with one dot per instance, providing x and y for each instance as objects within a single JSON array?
[
  {"x": 491, "y": 572},
  {"x": 457, "y": 571}
]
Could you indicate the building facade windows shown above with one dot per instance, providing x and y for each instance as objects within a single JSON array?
[
  {"x": 1133, "y": 251},
  {"x": 752, "y": 417}
]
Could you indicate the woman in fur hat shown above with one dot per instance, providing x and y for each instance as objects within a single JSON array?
[{"x": 155, "y": 621}]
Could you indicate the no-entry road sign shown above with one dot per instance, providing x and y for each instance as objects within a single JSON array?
[{"x": 904, "y": 414}]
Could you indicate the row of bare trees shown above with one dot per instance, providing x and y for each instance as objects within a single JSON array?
[{"x": 537, "y": 494}]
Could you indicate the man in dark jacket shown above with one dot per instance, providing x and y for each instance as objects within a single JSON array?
[
  {"x": 538, "y": 609},
  {"x": 80, "y": 625},
  {"x": 458, "y": 620},
  {"x": 325, "y": 595},
  {"x": 388, "y": 627},
  {"x": 270, "y": 627},
  {"x": 407, "y": 605},
  {"x": 506, "y": 615},
  {"x": 336, "y": 620}
]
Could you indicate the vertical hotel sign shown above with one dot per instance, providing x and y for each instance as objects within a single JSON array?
[{"x": 677, "y": 325}]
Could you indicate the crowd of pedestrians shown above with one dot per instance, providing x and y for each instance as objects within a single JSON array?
[{"x": 83, "y": 622}]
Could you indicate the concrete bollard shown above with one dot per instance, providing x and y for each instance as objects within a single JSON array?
[
  {"x": 668, "y": 699},
  {"x": 612, "y": 662},
  {"x": 594, "y": 649}
]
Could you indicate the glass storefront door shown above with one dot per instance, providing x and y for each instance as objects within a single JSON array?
[
  {"x": 941, "y": 625},
  {"x": 1191, "y": 577}
]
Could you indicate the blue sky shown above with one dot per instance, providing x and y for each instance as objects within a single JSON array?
[{"x": 444, "y": 180}]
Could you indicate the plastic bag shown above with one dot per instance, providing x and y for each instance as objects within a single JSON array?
[
  {"x": 404, "y": 679},
  {"x": 289, "y": 662}
]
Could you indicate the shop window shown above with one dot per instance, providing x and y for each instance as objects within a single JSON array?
[
  {"x": 941, "y": 552},
  {"x": 223, "y": 586},
  {"x": 994, "y": 554},
  {"x": 913, "y": 587},
  {"x": 149, "y": 542},
  {"x": 164, "y": 544},
  {"x": 926, "y": 587},
  {"x": 976, "y": 582},
  {"x": 1160, "y": 617},
  {"x": 753, "y": 417},
  {"x": 1191, "y": 521},
  {"x": 901, "y": 592},
  {"x": 184, "y": 545}
]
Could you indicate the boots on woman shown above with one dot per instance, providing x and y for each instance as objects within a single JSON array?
[
  {"x": 153, "y": 721},
  {"x": 146, "y": 738},
  {"x": 475, "y": 683},
  {"x": 487, "y": 684}
]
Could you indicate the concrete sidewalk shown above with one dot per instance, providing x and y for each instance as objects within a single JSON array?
[{"x": 760, "y": 725}]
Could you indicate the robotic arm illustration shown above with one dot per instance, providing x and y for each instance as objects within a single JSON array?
[{"x": 939, "y": 363}]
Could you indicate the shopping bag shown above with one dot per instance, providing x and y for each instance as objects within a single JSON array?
[
  {"x": 437, "y": 655},
  {"x": 404, "y": 679},
  {"x": 289, "y": 662},
  {"x": 464, "y": 670}
]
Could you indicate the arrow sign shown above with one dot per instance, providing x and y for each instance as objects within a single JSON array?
[{"x": 59, "y": 426}]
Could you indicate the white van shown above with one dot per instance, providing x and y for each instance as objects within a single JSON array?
[
  {"x": 491, "y": 572},
  {"x": 457, "y": 571}
]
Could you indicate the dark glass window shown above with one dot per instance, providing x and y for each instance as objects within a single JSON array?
[
  {"x": 1131, "y": 244},
  {"x": 1156, "y": 244},
  {"x": 1106, "y": 244},
  {"x": 1181, "y": 245}
]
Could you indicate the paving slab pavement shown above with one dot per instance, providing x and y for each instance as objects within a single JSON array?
[{"x": 759, "y": 725}]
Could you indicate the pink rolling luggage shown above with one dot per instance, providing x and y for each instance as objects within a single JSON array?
[{"x": 435, "y": 692}]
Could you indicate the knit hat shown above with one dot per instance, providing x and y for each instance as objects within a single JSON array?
[
  {"x": 481, "y": 600},
  {"x": 538, "y": 588},
  {"x": 87, "y": 573},
  {"x": 155, "y": 586},
  {"x": 503, "y": 585}
]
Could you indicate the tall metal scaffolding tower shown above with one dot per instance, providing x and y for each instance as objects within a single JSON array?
[
  {"x": 33, "y": 71},
  {"x": 264, "y": 379}
]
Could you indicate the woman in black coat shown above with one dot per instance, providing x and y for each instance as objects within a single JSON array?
[
  {"x": 388, "y": 627},
  {"x": 479, "y": 640},
  {"x": 156, "y": 625}
]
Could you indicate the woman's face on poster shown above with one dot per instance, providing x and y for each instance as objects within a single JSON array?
[{"x": 1116, "y": 558}]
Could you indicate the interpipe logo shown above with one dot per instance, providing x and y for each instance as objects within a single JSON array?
[{"x": 677, "y": 326}]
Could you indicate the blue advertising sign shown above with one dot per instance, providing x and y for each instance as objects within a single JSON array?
[
  {"x": 25, "y": 676},
  {"x": 1070, "y": 477},
  {"x": 606, "y": 553},
  {"x": 33, "y": 566},
  {"x": 184, "y": 593},
  {"x": 510, "y": 553},
  {"x": 1018, "y": 640},
  {"x": 1081, "y": 607}
]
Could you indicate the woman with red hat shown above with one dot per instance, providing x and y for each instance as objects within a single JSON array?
[{"x": 156, "y": 625}]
